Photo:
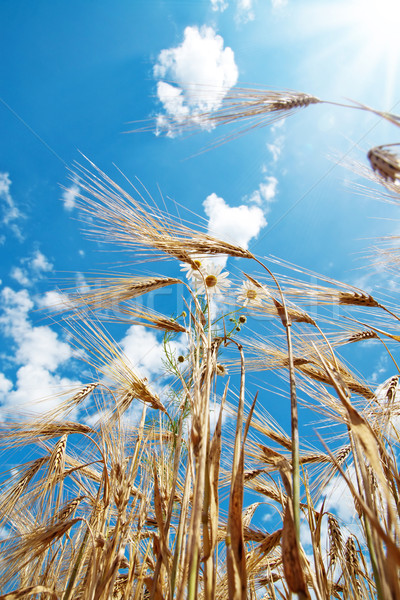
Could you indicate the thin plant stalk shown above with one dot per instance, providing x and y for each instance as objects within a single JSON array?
[{"x": 293, "y": 410}]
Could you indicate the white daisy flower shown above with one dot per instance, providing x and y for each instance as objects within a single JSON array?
[
  {"x": 252, "y": 294},
  {"x": 193, "y": 272},
  {"x": 213, "y": 280}
]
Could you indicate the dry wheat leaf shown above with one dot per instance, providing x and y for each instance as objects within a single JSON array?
[{"x": 292, "y": 564}]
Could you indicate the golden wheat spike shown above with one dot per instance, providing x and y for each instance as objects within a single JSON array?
[
  {"x": 335, "y": 539},
  {"x": 109, "y": 292},
  {"x": 385, "y": 162},
  {"x": 116, "y": 216},
  {"x": 17, "y": 434},
  {"x": 104, "y": 354},
  {"x": 133, "y": 315}
]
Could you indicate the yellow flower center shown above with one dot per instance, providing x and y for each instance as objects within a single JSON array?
[
  {"x": 211, "y": 281},
  {"x": 251, "y": 294},
  {"x": 197, "y": 264}
]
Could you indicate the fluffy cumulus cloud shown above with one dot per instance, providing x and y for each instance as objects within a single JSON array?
[
  {"x": 36, "y": 391},
  {"x": 53, "y": 301},
  {"x": 38, "y": 355},
  {"x": 40, "y": 263},
  {"x": 237, "y": 224},
  {"x": 21, "y": 276},
  {"x": 70, "y": 195},
  {"x": 10, "y": 212},
  {"x": 146, "y": 352},
  {"x": 240, "y": 224},
  {"x": 5, "y": 385},
  {"x": 338, "y": 500},
  {"x": 202, "y": 71}
]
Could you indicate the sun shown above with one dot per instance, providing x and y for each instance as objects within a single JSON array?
[
  {"x": 378, "y": 22},
  {"x": 359, "y": 40},
  {"x": 374, "y": 28}
]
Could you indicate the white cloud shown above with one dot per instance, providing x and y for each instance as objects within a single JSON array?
[
  {"x": 35, "y": 391},
  {"x": 237, "y": 224},
  {"x": 277, "y": 4},
  {"x": 244, "y": 8},
  {"x": 81, "y": 284},
  {"x": 377, "y": 277},
  {"x": 142, "y": 348},
  {"x": 32, "y": 269},
  {"x": 173, "y": 99},
  {"x": 266, "y": 191},
  {"x": 219, "y": 5},
  {"x": 202, "y": 71},
  {"x": 5, "y": 385},
  {"x": 69, "y": 196},
  {"x": 96, "y": 418},
  {"x": 276, "y": 148},
  {"x": 41, "y": 347},
  {"x": 54, "y": 301},
  {"x": 240, "y": 224},
  {"x": 146, "y": 352},
  {"x": 20, "y": 275},
  {"x": 38, "y": 353},
  {"x": 278, "y": 141},
  {"x": 40, "y": 263},
  {"x": 339, "y": 499},
  {"x": 5, "y": 184},
  {"x": 4, "y": 533},
  {"x": 15, "y": 308},
  {"x": 215, "y": 409},
  {"x": 381, "y": 366},
  {"x": 35, "y": 345},
  {"x": 130, "y": 418},
  {"x": 245, "y": 11},
  {"x": 11, "y": 212}
]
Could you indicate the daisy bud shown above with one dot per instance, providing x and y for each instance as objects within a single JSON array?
[{"x": 220, "y": 370}]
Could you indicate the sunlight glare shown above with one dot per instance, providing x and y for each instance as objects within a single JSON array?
[{"x": 379, "y": 22}]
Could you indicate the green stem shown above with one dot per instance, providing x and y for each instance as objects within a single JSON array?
[{"x": 192, "y": 584}]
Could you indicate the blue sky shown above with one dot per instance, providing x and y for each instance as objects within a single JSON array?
[{"x": 75, "y": 75}]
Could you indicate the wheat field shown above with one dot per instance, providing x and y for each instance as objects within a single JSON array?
[{"x": 164, "y": 507}]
